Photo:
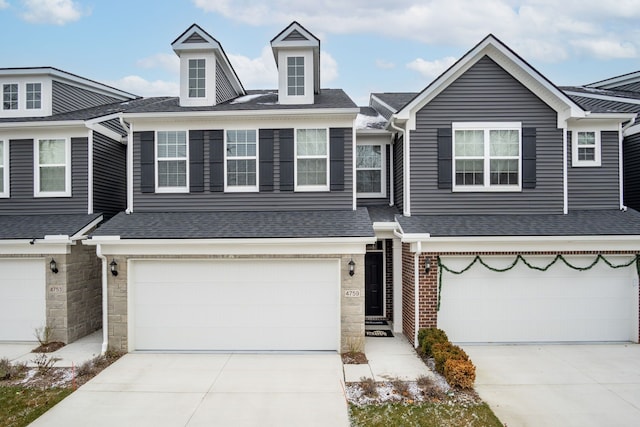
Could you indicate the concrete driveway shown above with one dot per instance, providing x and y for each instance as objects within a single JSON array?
[
  {"x": 209, "y": 390},
  {"x": 560, "y": 385}
]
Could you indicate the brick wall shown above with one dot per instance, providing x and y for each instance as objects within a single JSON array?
[
  {"x": 408, "y": 293},
  {"x": 389, "y": 278}
]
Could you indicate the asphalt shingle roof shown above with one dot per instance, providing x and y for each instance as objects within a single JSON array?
[
  {"x": 382, "y": 213},
  {"x": 230, "y": 225},
  {"x": 598, "y": 105},
  {"x": 396, "y": 100},
  {"x": 575, "y": 223},
  {"x": 38, "y": 226}
]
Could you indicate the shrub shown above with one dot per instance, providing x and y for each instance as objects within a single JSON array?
[
  {"x": 9, "y": 370},
  {"x": 429, "y": 387},
  {"x": 401, "y": 387},
  {"x": 460, "y": 373},
  {"x": 446, "y": 351},
  {"x": 369, "y": 387},
  {"x": 428, "y": 337}
]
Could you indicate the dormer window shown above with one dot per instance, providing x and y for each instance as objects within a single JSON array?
[
  {"x": 34, "y": 96},
  {"x": 10, "y": 96},
  {"x": 197, "y": 78},
  {"x": 295, "y": 76}
]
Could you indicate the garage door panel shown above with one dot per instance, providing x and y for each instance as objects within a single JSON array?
[
  {"x": 22, "y": 298},
  {"x": 522, "y": 305},
  {"x": 226, "y": 305}
]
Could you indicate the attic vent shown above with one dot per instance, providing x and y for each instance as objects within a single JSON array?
[
  {"x": 195, "y": 38},
  {"x": 295, "y": 35}
]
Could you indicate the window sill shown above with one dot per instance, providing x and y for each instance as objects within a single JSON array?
[
  {"x": 56, "y": 195},
  {"x": 311, "y": 189},
  {"x": 170, "y": 190},
  {"x": 371, "y": 195},
  {"x": 232, "y": 189},
  {"x": 496, "y": 189}
]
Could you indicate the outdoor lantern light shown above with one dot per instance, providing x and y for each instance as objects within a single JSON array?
[
  {"x": 427, "y": 266},
  {"x": 113, "y": 266},
  {"x": 352, "y": 267},
  {"x": 53, "y": 266}
]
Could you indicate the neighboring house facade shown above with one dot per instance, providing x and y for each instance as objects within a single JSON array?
[{"x": 62, "y": 164}]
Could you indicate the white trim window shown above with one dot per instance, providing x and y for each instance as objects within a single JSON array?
[
  {"x": 370, "y": 170},
  {"x": 4, "y": 168},
  {"x": 585, "y": 148},
  {"x": 241, "y": 160},
  {"x": 10, "y": 96},
  {"x": 52, "y": 168},
  {"x": 172, "y": 165},
  {"x": 487, "y": 156},
  {"x": 34, "y": 96},
  {"x": 312, "y": 160},
  {"x": 295, "y": 75},
  {"x": 197, "y": 78}
]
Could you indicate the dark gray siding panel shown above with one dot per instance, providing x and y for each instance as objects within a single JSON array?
[
  {"x": 220, "y": 201},
  {"x": 69, "y": 98},
  {"x": 295, "y": 35},
  {"x": 486, "y": 93},
  {"x": 631, "y": 149},
  {"x": 21, "y": 182},
  {"x": 224, "y": 89},
  {"x": 398, "y": 173},
  {"x": 109, "y": 176},
  {"x": 195, "y": 38},
  {"x": 596, "y": 187}
]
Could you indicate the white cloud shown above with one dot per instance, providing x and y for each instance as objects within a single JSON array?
[
  {"x": 328, "y": 68},
  {"x": 166, "y": 61},
  {"x": 606, "y": 49},
  {"x": 385, "y": 65},
  {"x": 431, "y": 69},
  {"x": 3, "y": 4},
  {"x": 58, "y": 12},
  {"x": 256, "y": 73},
  {"x": 142, "y": 87}
]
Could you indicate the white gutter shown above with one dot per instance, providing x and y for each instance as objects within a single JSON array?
[
  {"x": 621, "y": 170},
  {"x": 311, "y": 112},
  {"x": 99, "y": 240},
  {"x": 81, "y": 235},
  {"x": 105, "y": 303},
  {"x": 406, "y": 173},
  {"x": 129, "y": 129},
  {"x": 565, "y": 173},
  {"x": 44, "y": 123}
]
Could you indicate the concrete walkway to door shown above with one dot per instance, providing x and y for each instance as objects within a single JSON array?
[
  {"x": 171, "y": 390},
  {"x": 560, "y": 385}
]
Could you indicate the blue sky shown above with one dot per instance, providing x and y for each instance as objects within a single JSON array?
[{"x": 367, "y": 45}]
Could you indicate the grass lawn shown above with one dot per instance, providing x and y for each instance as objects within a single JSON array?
[
  {"x": 423, "y": 415},
  {"x": 19, "y": 406}
]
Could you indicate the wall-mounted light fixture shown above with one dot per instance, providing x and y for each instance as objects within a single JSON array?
[
  {"x": 53, "y": 266},
  {"x": 113, "y": 266},
  {"x": 352, "y": 267},
  {"x": 427, "y": 266}
]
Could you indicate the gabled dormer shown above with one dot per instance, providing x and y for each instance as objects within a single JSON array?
[
  {"x": 297, "y": 54},
  {"x": 206, "y": 75}
]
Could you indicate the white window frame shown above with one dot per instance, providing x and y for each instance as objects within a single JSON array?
[
  {"x": 242, "y": 188},
  {"x": 17, "y": 85},
  {"x": 26, "y": 95},
  {"x": 327, "y": 157},
  {"x": 575, "y": 161},
  {"x": 204, "y": 79},
  {"x": 304, "y": 76},
  {"x": 182, "y": 189},
  {"x": 383, "y": 174},
  {"x": 486, "y": 127},
  {"x": 36, "y": 175},
  {"x": 5, "y": 168}
]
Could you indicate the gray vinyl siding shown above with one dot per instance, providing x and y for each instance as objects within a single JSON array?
[
  {"x": 595, "y": 187},
  {"x": 256, "y": 201},
  {"x": 631, "y": 149},
  {"x": 195, "y": 38},
  {"x": 224, "y": 90},
  {"x": 70, "y": 98},
  {"x": 114, "y": 125},
  {"x": 377, "y": 201},
  {"x": 398, "y": 173},
  {"x": 486, "y": 93},
  {"x": 295, "y": 35},
  {"x": 632, "y": 87},
  {"x": 109, "y": 176},
  {"x": 22, "y": 201}
]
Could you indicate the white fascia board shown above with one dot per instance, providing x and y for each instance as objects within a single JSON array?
[
  {"x": 24, "y": 247},
  {"x": 415, "y": 237},
  {"x": 374, "y": 132},
  {"x": 616, "y": 81},
  {"x": 304, "y": 112},
  {"x": 43, "y": 123},
  {"x": 632, "y": 130},
  {"x": 385, "y": 230},
  {"x": 101, "y": 119},
  {"x": 106, "y": 132},
  {"x": 601, "y": 121},
  {"x": 82, "y": 233},
  {"x": 384, "y": 104},
  {"x": 527, "y": 244},
  {"x": 604, "y": 97},
  {"x": 323, "y": 246}
]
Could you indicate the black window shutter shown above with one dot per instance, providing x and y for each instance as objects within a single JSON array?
[
  {"x": 445, "y": 147},
  {"x": 147, "y": 162},
  {"x": 286, "y": 160},
  {"x": 528, "y": 157},
  {"x": 336, "y": 161},
  {"x": 216, "y": 160},
  {"x": 196, "y": 161},
  {"x": 266, "y": 159}
]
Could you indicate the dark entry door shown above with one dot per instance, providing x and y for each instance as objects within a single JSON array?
[{"x": 373, "y": 284}]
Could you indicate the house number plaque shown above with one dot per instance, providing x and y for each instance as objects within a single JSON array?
[{"x": 352, "y": 293}]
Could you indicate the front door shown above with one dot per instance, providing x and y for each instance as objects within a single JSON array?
[{"x": 373, "y": 284}]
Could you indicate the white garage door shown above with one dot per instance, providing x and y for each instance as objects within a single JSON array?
[
  {"x": 22, "y": 298},
  {"x": 520, "y": 305},
  {"x": 234, "y": 305}
]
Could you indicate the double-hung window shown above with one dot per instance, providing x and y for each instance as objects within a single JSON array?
[
  {"x": 197, "y": 78},
  {"x": 172, "y": 162},
  {"x": 295, "y": 76},
  {"x": 241, "y": 160},
  {"x": 312, "y": 160},
  {"x": 487, "y": 156},
  {"x": 4, "y": 168},
  {"x": 10, "y": 96},
  {"x": 52, "y": 168},
  {"x": 370, "y": 177},
  {"x": 585, "y": 148},
  {"x": 34, "y": 96}
]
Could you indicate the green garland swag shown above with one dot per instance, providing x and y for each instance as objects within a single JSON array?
[{"x": 559, "y": 257}]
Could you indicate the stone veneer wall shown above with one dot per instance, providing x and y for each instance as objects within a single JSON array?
[{"x": 351, "y": 315}]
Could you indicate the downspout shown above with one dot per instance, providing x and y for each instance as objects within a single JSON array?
[
  {"x": 621, "y": 169},
  {"x": 105, "y": 305},
  {"x": 565, "y": 174},
  {"x": 407, "y": 170},
  {"x": 391, "y": 173},
  {"x": 128, "y": 128},
  {"x": 416, "y": 293}
]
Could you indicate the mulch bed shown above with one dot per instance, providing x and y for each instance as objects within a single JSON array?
[
  {"x": 354, "y": 358},
  {"x": 48, "y": 347}
]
